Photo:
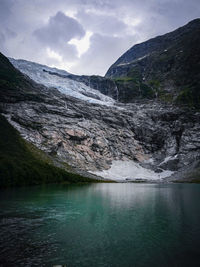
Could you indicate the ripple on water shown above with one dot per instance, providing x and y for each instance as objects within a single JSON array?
[{"x": 101, "y": 225}]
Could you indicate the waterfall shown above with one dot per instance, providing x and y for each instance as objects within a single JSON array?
[{"x": 117, "y": 92}]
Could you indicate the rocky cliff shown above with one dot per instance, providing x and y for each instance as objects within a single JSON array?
[{"x": 147, "y": 140}]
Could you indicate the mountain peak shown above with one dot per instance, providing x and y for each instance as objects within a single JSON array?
[
  {"x": 154, "y": 44},
  {"x": 168, "y": 65}
]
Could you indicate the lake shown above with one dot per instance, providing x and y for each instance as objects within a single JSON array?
[{"x": 113, "y": 224}]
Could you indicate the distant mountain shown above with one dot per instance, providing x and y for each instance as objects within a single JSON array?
[{"x": 166, "y": 67}]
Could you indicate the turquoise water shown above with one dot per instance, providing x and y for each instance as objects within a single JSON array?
[{"x": 101, "y": 225}]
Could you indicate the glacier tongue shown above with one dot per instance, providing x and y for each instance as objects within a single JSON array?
[{"x": 50, "y": 78}]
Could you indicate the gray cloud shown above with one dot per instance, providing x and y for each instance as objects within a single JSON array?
[
  {"x": 56, "y": 34},
  {"x": 5, "y": 9},
  {"x": 98, "y": 53},
  {"x": 30, "y": 28},
  {"x": 101, "y": 23},
  {"x": 60, "y": 28}
]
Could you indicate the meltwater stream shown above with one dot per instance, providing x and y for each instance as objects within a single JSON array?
[{"x": 101, "y": 225}]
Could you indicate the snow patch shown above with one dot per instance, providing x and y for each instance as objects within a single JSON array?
[
  {"x": 137, "y": 59},
  {"x": 168, "y": 159},
  {"x": 130, "y": 170}
]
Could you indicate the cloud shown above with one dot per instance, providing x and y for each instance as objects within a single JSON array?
[
  {"x": 103, "y": 51},
  {"x": 101, "y": 23},
  {"x": 56, "y": 34},
  {"x": 60, "y": 28},
  {"x": 5, "y": 9},
  {"x": 49, "y": 31}
]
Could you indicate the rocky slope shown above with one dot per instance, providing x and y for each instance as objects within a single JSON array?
[
  {"x": 147, "y": 140},
  {"x": 166, "y": 67}
]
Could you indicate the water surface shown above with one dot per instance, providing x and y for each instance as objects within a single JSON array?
[{"x": 101, "y": 225}]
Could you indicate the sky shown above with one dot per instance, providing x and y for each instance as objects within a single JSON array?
[{"x": 86, "y": 36}]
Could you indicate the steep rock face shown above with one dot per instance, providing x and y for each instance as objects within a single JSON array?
[
  {"x": 165, "y": 67},
  {"x": 104, "y": 85},
  {"x": 87, "y": 137},
  {"x": 80, "y": 133},
  {"x": 159, "y": 138},
  {"x": 90, "y": 136}
]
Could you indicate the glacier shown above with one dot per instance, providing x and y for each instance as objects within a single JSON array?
[{"x": 56, "y": 78}]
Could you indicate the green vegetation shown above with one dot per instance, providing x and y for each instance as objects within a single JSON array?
[
  {"x": 124, "y": 79},
  {"x": 165, "y": 97},
  {"x": 9, "y": 75},
  {"x": 170, "y": 65},
  {"x": 185, "y": 96},
  {"x": 132, "y": 87},
  {"x": 155, "y": 84},
  {"x": 21, "y": 163},
  {"x": 146, "y": 91},
  {"x": 189, "y": 96}
]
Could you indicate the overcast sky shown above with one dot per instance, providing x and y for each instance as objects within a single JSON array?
[{"x": 86, "y": 36}]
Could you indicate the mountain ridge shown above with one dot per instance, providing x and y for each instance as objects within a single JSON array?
[
  {"x": 194, "y": 23},
  {"x": 167, "y": 67}
]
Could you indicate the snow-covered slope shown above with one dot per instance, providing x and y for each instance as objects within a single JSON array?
[
  {"x": 47, "y": 76},
  {"x": 131, "y": 171}
]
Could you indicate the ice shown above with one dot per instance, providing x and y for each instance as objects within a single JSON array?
[
  {"x": 39, "y": 73},
  {"x": 137, "y": 59},
  {"x": 130, "y": 170}
]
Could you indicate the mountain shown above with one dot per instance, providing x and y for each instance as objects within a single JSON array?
[
  {"x": 166, "y": 68},
  {"x": 22, "y": 163},
  {"x": 146, "y": 140}
]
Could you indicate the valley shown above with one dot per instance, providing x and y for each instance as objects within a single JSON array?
[{"x": 92, "y": 132}]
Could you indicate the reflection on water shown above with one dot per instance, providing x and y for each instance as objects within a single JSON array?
[{"x": 101, "y": 225}]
